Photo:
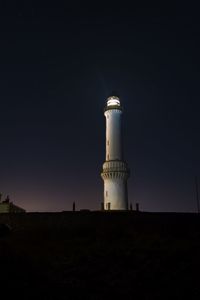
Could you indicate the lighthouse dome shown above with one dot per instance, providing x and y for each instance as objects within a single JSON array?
[{"x": 113, "y": 101}]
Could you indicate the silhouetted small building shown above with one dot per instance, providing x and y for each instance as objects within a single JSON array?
[
  {"x": 9, "y": 207},
  {"x": 6, "y": 206}
]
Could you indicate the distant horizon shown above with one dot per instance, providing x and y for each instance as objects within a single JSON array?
[{"x": 79, "y": 208}]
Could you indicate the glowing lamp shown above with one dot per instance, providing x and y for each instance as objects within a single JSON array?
[{"x": 113, "y": 101}]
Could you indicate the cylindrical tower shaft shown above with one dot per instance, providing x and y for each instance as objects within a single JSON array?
[
  {"x": 115, "y": 170},
  {"x": 113, "y": 135}
]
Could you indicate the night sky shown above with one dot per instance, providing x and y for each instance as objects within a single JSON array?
[{"x": 58, "y": 64}]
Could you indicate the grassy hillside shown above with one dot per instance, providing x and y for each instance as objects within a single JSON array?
[{"x": 96, "y": 255}]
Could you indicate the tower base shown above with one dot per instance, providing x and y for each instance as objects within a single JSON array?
[{"x": 115, "y": 175}]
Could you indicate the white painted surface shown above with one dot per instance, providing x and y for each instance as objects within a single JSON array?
[
  {"x": 113, "y": 134},
  {"x": 115, "y": 170},
  {"x": 115, "y": 193}
]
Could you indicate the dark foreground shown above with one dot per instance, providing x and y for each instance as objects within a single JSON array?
[{"x": 101, "y": 256}]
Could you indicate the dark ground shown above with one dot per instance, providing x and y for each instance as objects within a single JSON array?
[{"x": 96, "y": 255}]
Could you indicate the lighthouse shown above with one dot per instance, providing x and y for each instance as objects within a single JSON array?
[{"x": 115, "y": 170}]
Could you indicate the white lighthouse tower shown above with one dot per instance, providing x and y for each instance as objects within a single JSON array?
[{"x": 115, "y": 170}]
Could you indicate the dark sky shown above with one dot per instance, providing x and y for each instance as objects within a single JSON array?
[{"x": 58, "y": 64}]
